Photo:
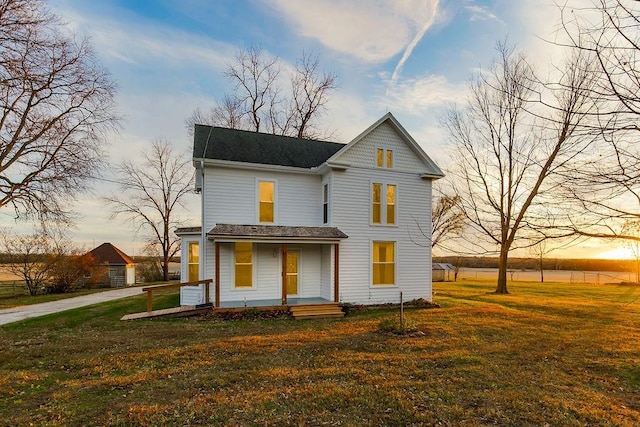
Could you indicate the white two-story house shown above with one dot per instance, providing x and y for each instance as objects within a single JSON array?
[{"x": 287, "y": 220}]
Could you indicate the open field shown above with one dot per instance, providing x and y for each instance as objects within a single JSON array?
[{"x": 546, "y": 354}]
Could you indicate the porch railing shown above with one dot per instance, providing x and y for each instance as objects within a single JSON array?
[{"x": 149, "y": 290}]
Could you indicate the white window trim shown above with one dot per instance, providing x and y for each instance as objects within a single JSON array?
[
  {"x": 329, "y": 216},
  {"x": 275, "y": 200},
  {"x": 254, "y": 268},
  {"x": 383, "y": 204},
  {"x": 186, "y": 256},
  {"x": 395, "y": 264}
]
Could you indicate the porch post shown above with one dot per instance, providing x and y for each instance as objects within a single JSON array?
[
  {"x": 336, "y": 273},
  {"x": 284, "y": 274},
  {"x": 217, "y": 275}
]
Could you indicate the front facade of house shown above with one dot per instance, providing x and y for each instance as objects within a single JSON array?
[{"x": 296, "y": 220}]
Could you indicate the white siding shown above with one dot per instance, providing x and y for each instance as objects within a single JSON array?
[
  {"x": 352, "y": 212},
  {"x": 363, "y": 154},
  {"x": 309, "y": 276},
  {"x": 230, "y": 197},
  {"x": 192, "y": 295},
  {"x": 326, "y": 272},
  {"x": 131, "y": 275}
]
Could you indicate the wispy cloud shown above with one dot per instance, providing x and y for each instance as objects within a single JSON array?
[
  {"x": 481, "y": 13},
  {"x": 370, "y": 31},
  {"x": 417, "y": 96},
  {"x": 429, "y": 14},
  {"x": 120, "y": 41}
]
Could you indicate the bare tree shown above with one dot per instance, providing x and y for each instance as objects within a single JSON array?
[
  {"x": 310, "y": 91},
  {"x": 152, "y": 191},
  {"x": 447, "y": 219},
  {"x": 632, "y": 228},
  {"x": 607, "y": 193},
  {"x": 540, "y": 250},
  {"x": 260, "y": 104},
  {"x": 57, "y": 103},
  {"x": 27, "y": 256},
  {"x": 447, "y": 222},
  {"x": 514, "y": 136}
]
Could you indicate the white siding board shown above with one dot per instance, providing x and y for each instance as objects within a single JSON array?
[
  {"x": 326, "y": 272},
  {"x": 230, "y": 197},
  {"x": 309, "y": 274},
  {"x": 352, "y": 215}
]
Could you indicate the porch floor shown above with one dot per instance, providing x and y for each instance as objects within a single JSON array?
[{"x": 273, "y": 302}]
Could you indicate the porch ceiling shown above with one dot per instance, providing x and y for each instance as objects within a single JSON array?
[{"x": 275, "y": 233}]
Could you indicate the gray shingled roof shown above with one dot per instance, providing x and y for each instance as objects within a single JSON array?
[
  {"x": 276, "y": 231},
  {"x": 252, "y": 147}
]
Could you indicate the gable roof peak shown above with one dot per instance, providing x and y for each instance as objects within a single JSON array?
[{"x": 433, "y": 170}]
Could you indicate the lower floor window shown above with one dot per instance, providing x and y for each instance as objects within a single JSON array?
[
  {"x": 194, "y": 257},
  {"x": 244, "y": 265},
  {"x": 384, "y": 263}
]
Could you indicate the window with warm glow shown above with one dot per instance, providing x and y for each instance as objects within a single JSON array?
[
  {"x": 391, "y": 204},
  {"x": 266, "y": 191},
  {"x": 376, "y": 203},
  {"x": 194, "y": 258},
  {"x": 383, "y": 203},
  {"x": 383, "y": 263},
  {"x": 244, "y": 265},
  {"x": 384, "y": 158}
]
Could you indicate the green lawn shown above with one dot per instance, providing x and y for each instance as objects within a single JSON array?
[{"x": 555, "y": 354}]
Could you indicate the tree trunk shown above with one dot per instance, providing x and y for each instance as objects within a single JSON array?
[
  {"x": 502, "y": 271},
  {"x": 541, "y": 267},
  {"x": 165, "y": 269}
]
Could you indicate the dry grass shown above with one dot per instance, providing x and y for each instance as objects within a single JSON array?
[{"x": 553, "y": 354}]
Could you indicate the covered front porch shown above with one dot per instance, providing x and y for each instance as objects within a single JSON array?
[{"x": 258, "y": 266}]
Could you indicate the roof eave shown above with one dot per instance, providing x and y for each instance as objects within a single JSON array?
[{"x": 253, "y": 166}]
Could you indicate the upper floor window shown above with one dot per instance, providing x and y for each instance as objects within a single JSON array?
[
  {"x": 266, "y": 194},
  {"x": 391, "y": 204},
  {"x": 384, "y": 158},
  {"x": 383, "y": 203},
  {"x": 325, "y": 203}
]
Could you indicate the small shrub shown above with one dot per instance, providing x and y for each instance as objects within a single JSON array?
[
  {"x": 394, "y": 326},
  {"x": 421, "y": 302},
  {"x": 348, "y": 307}
]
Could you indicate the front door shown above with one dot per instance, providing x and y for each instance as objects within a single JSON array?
[{"x": 293, "y": 259}]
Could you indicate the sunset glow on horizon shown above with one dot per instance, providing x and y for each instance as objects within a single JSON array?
[{"x": 621, "y": 252}]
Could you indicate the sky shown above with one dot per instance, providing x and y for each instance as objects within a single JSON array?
[{"x": 409, "y": 57}]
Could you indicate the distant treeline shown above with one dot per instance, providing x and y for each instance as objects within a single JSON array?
[{"x": 548, "y": 264}]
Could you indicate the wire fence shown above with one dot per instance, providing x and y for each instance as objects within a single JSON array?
[{"x": 563, "y": 276}]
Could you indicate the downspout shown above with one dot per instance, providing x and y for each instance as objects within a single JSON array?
[{"x": 203, "y": 233}]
